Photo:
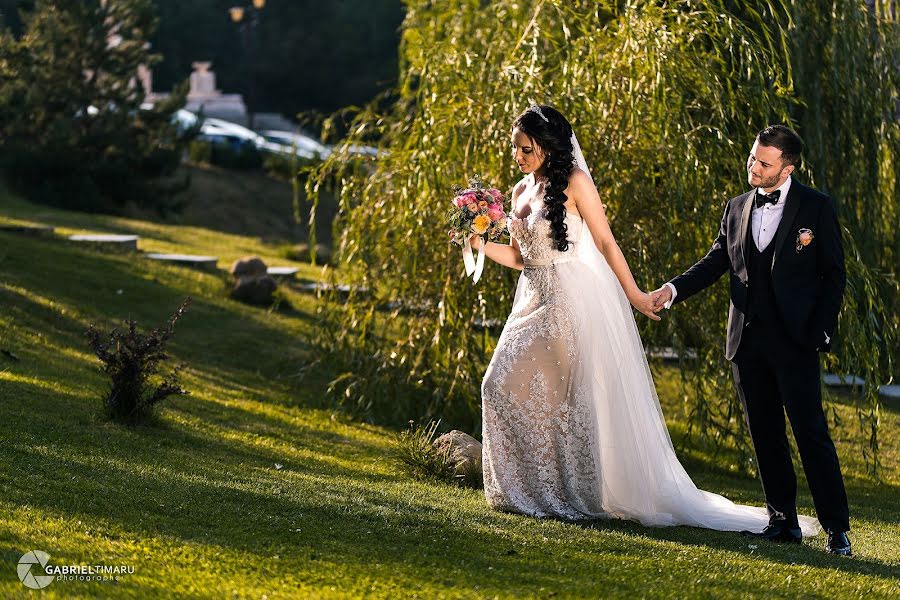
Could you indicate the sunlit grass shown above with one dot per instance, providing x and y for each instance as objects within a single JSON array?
[{"x": 253, "y": 487}]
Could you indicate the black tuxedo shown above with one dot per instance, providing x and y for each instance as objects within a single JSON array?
[
  {"x": 783, "y": 310},
  {"x": 808, "y": 284}
]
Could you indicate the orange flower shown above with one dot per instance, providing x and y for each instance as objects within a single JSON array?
[
  {"x": 481, "y": 224},
  {"x": 804, "y": 238}
]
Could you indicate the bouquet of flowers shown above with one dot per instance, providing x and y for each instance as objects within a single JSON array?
[{"x": 477, "y": 210}]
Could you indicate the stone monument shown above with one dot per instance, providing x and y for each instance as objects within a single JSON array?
[{"x": 204, "y": 96}]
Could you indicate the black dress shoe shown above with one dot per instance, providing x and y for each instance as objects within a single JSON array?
[
  {"x": 838, "y": 543},
  {"x": 779, "y": 533}
]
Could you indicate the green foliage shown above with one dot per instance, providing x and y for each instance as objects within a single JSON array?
[
  {"x": 666, "y": 99},
  {"x": 849, "y": 119},
  {"x": 244, "y": 157},
  {"x": 849, "y": 115},
  {"x": 417, "y": 456},
  {"x": 289, "y": 167},
  {"x": 200, "y": 152},
  {"x": 70, "y": 117},
  {"x": 132, "y": 360}
]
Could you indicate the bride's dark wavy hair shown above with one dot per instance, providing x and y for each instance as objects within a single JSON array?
[{"x": 554, "y": 136}]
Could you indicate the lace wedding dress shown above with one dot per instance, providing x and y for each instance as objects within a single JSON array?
[{"x": 572, "y": 426}]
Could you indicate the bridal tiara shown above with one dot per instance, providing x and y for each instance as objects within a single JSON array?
[{"x": 537, "y": 109}]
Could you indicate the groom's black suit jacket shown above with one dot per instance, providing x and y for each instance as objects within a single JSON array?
[{"x": 808, "y": 285}]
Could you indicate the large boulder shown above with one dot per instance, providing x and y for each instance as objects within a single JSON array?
[
  {"x": 463, "y": 449},
  {"x": 252, "y": 284}
]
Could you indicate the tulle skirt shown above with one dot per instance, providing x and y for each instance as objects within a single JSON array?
[{"x": 572, "y": 425}]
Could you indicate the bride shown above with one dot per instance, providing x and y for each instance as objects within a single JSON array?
[{"x": 572, "y": 426}]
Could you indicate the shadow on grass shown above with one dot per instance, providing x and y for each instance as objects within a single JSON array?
[
  {"x": 365, "y": 522},
  {"x": 220, "y": 437},
  {"x": 233, "y": 342},
  {"x": 811, "y": 553},
  {"x": 208, "y": 482}
]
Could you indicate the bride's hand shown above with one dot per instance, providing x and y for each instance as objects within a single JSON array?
[
  {"x": 644, "y": 303},
  {"x": 475, "y": 241}
]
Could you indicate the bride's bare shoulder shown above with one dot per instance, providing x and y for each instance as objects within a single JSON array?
[
  {"x": 520, "y": 187},
  {"x": 578, "y": 178}
]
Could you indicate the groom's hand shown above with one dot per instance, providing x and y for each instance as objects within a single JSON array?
[{"x": 660, "y": 297}]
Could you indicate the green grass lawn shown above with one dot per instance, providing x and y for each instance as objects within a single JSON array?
[{"x": 250, "y": 487}]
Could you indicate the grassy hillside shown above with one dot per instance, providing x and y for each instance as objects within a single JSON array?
[{"x": 251, "y": 488}]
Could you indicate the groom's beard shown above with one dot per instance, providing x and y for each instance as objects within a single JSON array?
[{"x": 762, "y": 183}]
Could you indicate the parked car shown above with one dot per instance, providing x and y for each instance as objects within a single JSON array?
[
  {"x": 304, "y": 145},
  {"x": 286, "y": 143}
]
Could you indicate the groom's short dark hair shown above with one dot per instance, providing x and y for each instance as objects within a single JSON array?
[{"x": 783, "y": 138}]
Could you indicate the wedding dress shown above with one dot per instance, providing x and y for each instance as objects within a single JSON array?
[{"x": 572, "y": 426}]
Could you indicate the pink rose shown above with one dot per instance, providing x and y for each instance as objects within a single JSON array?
[
  {"x": 459, "y": 201},
  {"x": 495, "y": 193},
  {"x": 495, "y": 212}
]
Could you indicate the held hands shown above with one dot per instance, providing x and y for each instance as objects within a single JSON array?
[
  {"x": 660, "y": 297},
  {"x": 645, "y": 304},
  {"x": 651, "y": 303}
]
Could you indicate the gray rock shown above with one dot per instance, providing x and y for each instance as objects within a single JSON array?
[
  {"x": 253, "y": 284},
  {"x": 464, "y": 450},
  {"x": 250, "y": 267}
]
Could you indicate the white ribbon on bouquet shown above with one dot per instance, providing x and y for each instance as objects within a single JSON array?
[{"x": 473, "y": 266}]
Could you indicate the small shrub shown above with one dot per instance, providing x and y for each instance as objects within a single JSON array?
[
  {"x": 288, "y": 167},
  {"x": 133, "y": 360},
  {"x": 471, "y": 477},
  {"x": 417, "y": 456},
  {"x": 200, "y": 152},
  {"x": 237, "y": 156}
]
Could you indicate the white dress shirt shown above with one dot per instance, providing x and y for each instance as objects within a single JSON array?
[{"x": 764, "y": 221}]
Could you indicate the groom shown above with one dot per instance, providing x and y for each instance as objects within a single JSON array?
[{"x": 780, "y": 243}]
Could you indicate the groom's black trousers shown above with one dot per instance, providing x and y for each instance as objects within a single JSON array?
[{"x": 774, "y": 375}]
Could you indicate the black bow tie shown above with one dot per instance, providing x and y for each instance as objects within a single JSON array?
[{"x": 763, "y": 199}]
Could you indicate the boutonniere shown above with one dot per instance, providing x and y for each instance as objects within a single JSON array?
[{"x": 804, "y": 237}]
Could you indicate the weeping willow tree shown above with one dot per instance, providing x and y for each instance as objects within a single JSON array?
[
  {"x": 666, "y": 99},
  {"x": 849, "y": 118}
]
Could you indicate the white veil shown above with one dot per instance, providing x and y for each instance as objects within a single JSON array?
[
  {"x": 587, "y": 249},
  {"x": 641, "y": 476}
]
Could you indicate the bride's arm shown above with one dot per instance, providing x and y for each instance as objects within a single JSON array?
[
  {"x": 582, "y": 190},
  {"x": 508, "y": 256}
]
